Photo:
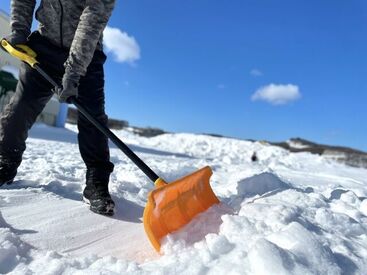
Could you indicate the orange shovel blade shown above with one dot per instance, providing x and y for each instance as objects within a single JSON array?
[{"x": 173, "y": 205}]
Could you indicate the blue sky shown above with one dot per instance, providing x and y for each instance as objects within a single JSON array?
[{"x": 200, "y": 63}]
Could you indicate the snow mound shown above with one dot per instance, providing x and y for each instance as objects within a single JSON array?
[
  {"x": 12, "y": 251},
  {"x": 260, "y": 184},
  {"x": 306, "y": 251}
]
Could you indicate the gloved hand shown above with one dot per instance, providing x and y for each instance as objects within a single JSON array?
[
  {"x": 17, "y": 38},
  {"x": 70, "y": 85}
]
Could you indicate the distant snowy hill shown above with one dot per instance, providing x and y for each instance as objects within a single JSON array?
[
  {"x": 287, "y": 213},
  {"x": 341, "y": 154}
]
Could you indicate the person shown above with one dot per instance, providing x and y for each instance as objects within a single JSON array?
[
  {"x": 254, "y": 157},
  {"x": 69, "y": 47}
]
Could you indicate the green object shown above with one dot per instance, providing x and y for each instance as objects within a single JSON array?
[{"x": 7, "y": 83}]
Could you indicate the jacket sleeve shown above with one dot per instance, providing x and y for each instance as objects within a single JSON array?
[
  {"x": 91, "y": 25},
  {"x": 22, "y": 15}
]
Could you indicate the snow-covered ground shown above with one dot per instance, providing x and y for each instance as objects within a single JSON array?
[{"x": 286, "y": 214}]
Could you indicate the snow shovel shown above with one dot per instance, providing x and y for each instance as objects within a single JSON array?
[{"x": 170, "y": 206}]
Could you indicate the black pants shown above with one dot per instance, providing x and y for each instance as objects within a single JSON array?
[{"x": 32, "y": 94}]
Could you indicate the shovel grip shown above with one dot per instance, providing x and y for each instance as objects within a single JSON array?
[{"x": 22, "y": 52}]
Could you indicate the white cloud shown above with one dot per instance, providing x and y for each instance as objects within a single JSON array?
[
  {"x": 277, "y": 94},
  {"x": 256, "y": 72},
  {"x": 121, "y": 45}
]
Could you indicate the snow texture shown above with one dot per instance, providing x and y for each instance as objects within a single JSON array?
[{"x": 288, "y": 213}]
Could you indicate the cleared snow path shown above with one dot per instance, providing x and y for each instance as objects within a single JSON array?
[
  {"x": 44, "y": 205},
  {"x": 49, "y": 221},
  {"x": 286, "y": 214}
]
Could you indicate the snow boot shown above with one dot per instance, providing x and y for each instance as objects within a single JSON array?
[
  {"x": 96, "y": 192},
  {"x": 8, "y": 171}
]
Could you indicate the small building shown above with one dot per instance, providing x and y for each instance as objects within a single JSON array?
[{"x": 54, "y": 114}]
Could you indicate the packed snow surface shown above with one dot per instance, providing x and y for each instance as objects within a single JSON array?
[{"x": 285, "y": 214}]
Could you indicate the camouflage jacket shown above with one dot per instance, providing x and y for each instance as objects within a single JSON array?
[{"x": 73, "y": 24}]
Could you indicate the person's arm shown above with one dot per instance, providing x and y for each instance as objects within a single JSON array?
[
  {"x": 91, "y": 25},
  {"x": 22, "y": 16}
]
